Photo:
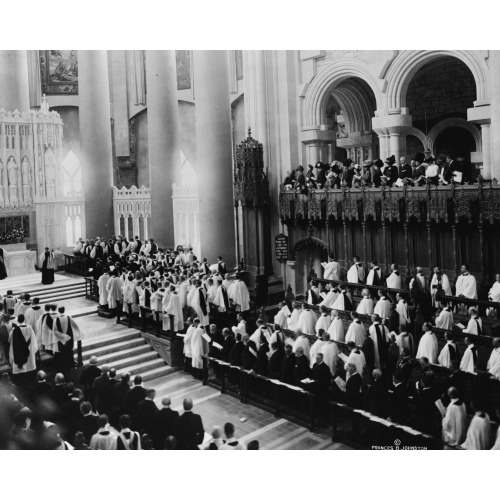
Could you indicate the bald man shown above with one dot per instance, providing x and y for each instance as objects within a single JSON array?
[
  {"x": 163, "y": 423},
  {"x": 188, "y": 428}
]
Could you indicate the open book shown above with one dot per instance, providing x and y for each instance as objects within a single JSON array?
[
  {"x": 440, "y": 406},
  {"x": 341, "y": 383}
]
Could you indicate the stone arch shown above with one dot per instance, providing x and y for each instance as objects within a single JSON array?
[
  {"x": 408, "y": 62},
  {"x": 453, "y": 122},
  {"x": 307, "y": 242},
  {"x": 419, "y": 135},
  {"x": 324, "y": 82}
]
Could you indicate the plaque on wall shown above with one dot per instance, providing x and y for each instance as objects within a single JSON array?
[{"x": 281, "y": 247}]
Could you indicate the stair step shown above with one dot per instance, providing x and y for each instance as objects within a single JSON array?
[
  {"x": 115, "y": 339},
  {"x": 155, "y": 373},
  {"x": 119, "y": 348},
  {"x": 58, "y": 298},
  {"x": 144, "y": 367},
  {"x": 133, "y": 362},
  {"x": 52, "y": 288}
]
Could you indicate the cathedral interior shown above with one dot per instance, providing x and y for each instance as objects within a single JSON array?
[{"x": 286, "y": 170}]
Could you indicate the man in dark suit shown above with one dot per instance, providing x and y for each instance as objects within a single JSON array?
[
  {"x": 59, "y": 393},
  {"x": 42, "y": 389},
  {"x": 107, "y": 403},
  {"x": 188, "y": 428},
  {"x": 249, "y": 352},
  {"x": 377, "y": 174},
  {"x": 89, "y": 374},
  {"x": 227, "y": 344},
  {"x": 276, "y": 360},
  {"x": 426, "y": 418},
  {"x": 120, "y": 391},
  {"x": 405, "y": 170},
  {"x": 353, "y": 387},
  {"x": 301, "y": 369},
  {"x": 322, "y": 376},
  {"x": 398, "y": 401},
  {"x": 133, "y": 397},
  {"x": 99, "y": 392},
  {"x": 288, "y": 366},
  {"x": 391, "y": 171},
  {"x": 376, "y": 396},
  {"x": 236, "y": 352},
  {"x": 163, "y": 423},
  {"x": 89, "y": 423},
  {"x": 404, "y": 366},
  {"x": 146, "y": 410}
]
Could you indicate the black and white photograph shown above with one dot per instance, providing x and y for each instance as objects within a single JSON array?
[{"x": 270, "y": 249}]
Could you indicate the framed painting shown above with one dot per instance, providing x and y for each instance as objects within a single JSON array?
[{"x": 59, "y": 72}]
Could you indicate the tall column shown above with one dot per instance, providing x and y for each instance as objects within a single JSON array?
[
  {"x": 494, "y": 61},
  {"x": 383, "y": 146},
  {"x": 163, "y": 138},
  {"x": 486, "y": 147},
  {"x": 95, "y": 134},
  {"x": 395, "y": 145},
  {"x": 14, "y": 81},
  {"x": 214, "y": 153}
]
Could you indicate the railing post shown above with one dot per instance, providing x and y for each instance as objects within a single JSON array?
[
  {"x": 223, "y": 377},
  {"x": 243, "y": 386},
  {"x": 312, "y": 399},
  {"x": 79, "y": 353},
  {"x": 276, "y": 398},
  {"x": 118, "y": 312},
  {"x": 158, "y": 324},
  {"x": 333, "y": 409},
  {"x": 205, "y": 371}
]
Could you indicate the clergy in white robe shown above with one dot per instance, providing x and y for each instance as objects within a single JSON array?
[
  {"x": 313, "y": 297},
  {"x": 444, "y": 319},
  {"x": 356, "y": 273},
  {"x": 281, "y": 318},
  {"x": 343, "y": 301},
  {"x": 221, "y": 300},
  {"x": 200, "y": 306},
  {"x": 439, "y": 281},
  {"x": 479, "y": 435},
  {"x": 495, "y": 354},
  {"x": 357, "y": 358},
  {"x": 494, "y": 293},
  {"x": 466, "y": 285},
  {"x": 191, "y": 293},
  {"x": 45, "y": 327},
  {"x": 330, "y": 353},
  {"x": 332, "y": 270},
  {"x": 23, "y": 349},
  {"x": 238, "y": 293},
  {"x": 187, "y": 341},
  {"x": 307, "y": 321},
  {"x": 475, "y": 324},
  {"x": 330, "y": 298},
  {"x": 469, "y": 359},
  {"x": 375, "y": 275},
  {"x": 33, "y": 314},
  {"x": 336, "y": 328},
  {"x": 324, "y": 321},
  {"x": 294, "y": 318},
  {"x": 405, "y": 341},
  {"x": 316, "y": 348},
  {"x": 449, "y": 352},
  {"x": 428, "y": 345},
  {"x": 382, "y": 306},
  {"x": 356, "y": 331},
  {"x": 261, "y": 335},
  {"x": 494, "y": 369},
  {"x": 402, "y": 310},
  {"x": 365, "y": 305},
  {"x": 303, "y": 342},
  {"x": 183, "y": 288},
  {"x": 394, "y": 279},
  {"x": 379, "y": 333},
  {"x": 114, "y": 290},
  {"x": 197, "y": 345},
  {"x": 455, "y": 420},
  {"x": 103, "y": 293},
  {"x": 174, "y": 309}
]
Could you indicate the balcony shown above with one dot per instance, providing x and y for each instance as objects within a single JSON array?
[{"x": 453, "y": 203}]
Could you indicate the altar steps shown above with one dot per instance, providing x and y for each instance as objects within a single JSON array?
[
  {"x": 126, "y": 351},
  {"x": 56, "y": 294}
]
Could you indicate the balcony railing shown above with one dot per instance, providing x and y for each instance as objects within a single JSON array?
[{"x": 452, "y": 203}]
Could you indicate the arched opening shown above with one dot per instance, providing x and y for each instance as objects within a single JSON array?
[
  {"x": 349, "y": 109},
  {"x": 455, "y": 141},
  {"x": 309, "y": 253}
]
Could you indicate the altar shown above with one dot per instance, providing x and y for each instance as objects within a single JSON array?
[{"x": 19, "y": 260}]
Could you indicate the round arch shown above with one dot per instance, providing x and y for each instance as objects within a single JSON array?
[
  {"x": 407, "y": 63},
  {"x": 308, "y": 242},
  {"x": 453, "y": 122},
  {"x": 324, "y": 82},
  {"x": 419, "y": 135}
]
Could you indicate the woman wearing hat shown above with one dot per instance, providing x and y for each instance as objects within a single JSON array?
[{"x": 377, "y": 174}]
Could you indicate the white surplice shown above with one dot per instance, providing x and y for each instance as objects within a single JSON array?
[
  {"x": 332, "y": 270},
  {"x": 444, "y": 319},
  {"x": 323, "y": 323},
  {"x": 383, "y": 307},
  {"x": 466, "y": 286},
  {"x": 307, "y": 322},
  {"x": 394, "y": 280},
  {"x": 356, "y": 333},
  {"x": 428, "y": 347},
  {"x": 455, "y": 423},
  {"x": 336, "y": 329},
  {"x": 356, "y": 273},
  {"x": 479, "y": 433},
  {"x": 365, "y": 306}
]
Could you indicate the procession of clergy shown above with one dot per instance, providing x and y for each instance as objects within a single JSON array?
[
  {"x": 26, "y": 328},
  {"x": 390, "y": 331}
]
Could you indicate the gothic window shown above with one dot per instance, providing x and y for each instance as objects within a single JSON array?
[
  {"x": 72, "y": 176},
  {"x": 73, "y": 224}
]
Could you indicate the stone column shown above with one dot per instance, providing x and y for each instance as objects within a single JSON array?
[
  {"x": 14, "y": 81},
  {"x": 392, "y": 131},
  {"x": 396, "y": 146},
  {"x": 214, "y": 155},
  {"x": 494, "y": 61},
  {"x": 383, "y": 146},
  {"x": 486, "y": 147},
  {"x": 95, "y": 136},
  {"x": 163, "y": 138}
]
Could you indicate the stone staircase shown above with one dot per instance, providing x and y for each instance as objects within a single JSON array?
[
  {"x": 58, "y": 293},
  {"x": 126, "y": 351}
]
